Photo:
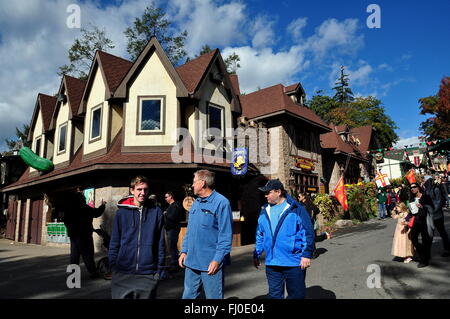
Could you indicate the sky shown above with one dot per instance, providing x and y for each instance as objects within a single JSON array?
[{"x": 285, "y": 42}]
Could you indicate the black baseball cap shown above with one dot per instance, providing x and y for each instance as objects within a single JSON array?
[{"x": 271, "y": 185}]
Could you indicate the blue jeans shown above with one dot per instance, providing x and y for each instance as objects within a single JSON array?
[
  {"x": 195, "y": 279},
  {"x": 291, "y": 277},
  {"x": 382, "y": 210}
]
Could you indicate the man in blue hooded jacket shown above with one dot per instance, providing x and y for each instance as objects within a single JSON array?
[
  {"x": 136, "y": 250},
  {"x": 286, "y": 234}
]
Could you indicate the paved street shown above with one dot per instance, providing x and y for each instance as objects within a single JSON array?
[{"x": 28, "y": 271}]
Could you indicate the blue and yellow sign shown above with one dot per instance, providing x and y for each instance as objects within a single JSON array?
[{"x": 239, "y": 163}]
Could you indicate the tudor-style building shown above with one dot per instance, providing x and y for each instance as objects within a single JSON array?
[
  {"x": 122, "y": 122},
  {"x": 346, "y": 152}
]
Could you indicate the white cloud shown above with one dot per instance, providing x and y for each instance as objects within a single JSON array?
[
  {"x": 264, "y": 67},
  {"x": 341, "y": 37},
  {"x": 209, "y": 23},
  {"x": 407, "y": 141},
  {"x": 264, "y": 36},
  {"x": 295, "y": 28}
]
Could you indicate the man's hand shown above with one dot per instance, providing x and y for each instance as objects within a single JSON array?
[
  {"x": 181, "y": 260},
  {"x": 256, "y": 262},
  {"x": 213, "y": 268},
  {"x": 305, "y": 263}
]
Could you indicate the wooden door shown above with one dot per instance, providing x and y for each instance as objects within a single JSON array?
[
  {"x": 11, "y": 223},
  {"x": 23, "y": 208},
  {"x": 35, "y": 222}
]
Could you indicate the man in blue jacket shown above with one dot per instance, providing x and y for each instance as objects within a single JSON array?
[
  {"x": 136, "y": 250},
  {"x": 207, "y": 243},
  {"x": 286, "y": 234}
]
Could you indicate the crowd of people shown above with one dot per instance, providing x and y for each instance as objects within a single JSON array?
[
  {"x": 286, "y": 233},
  {"x": 419, "y": 213}
]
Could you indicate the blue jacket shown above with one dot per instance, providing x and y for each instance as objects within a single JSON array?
[
  {"x": 137, "y": 241},
  {"x": 209, "y": 233},
  {"x": 292, "y": 239}
]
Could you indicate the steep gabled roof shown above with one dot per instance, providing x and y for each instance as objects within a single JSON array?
[
  {"x": 113, "y": 70},
  {"x": 75, "y": 89},
  {"x": 152, "y": 47},
  {"x": 333, "y": 140},
  {"x": 46, "y": 105},
  {"x": 364, "y": 135},
  {"x": 192, "y": 72},
  {"x": 273, "y": 100}
]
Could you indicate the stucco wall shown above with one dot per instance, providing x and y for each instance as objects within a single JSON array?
[
  {"x": 38, "y": 131},
  {"x": 153, "y": 80},
  {"x": 96, "y": 97},
  {"x": 62, "y": 117}
]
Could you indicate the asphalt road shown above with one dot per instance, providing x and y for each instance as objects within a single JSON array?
[{"x": 342, "y": 270}]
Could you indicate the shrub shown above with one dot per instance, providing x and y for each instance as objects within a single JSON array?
[{"x": 326, "y": 206}]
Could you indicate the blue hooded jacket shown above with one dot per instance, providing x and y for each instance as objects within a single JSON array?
[
  {"x": 292, "y": 239},
  {"x": 137, "y": 242}
]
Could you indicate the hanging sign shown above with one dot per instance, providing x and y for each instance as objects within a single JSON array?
[{"x": 239, "y": 163}]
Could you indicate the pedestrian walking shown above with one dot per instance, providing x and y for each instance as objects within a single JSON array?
[
  {"x": 381, "y": 200},
  {"x": 436, "y": 191},
  {"x": 392, "y": 200},
  {"x": 78, "y": 217},
  {"x": 286, "y": 235},
  {"x": 173, "y": 217},
  {"x": 137, "y": 248},
  {"x": 207, "y": 244},
  {"x": 420, "y": 205},
  {"x": 313, "y": 211},
  {"x": 402, "y": 246}
]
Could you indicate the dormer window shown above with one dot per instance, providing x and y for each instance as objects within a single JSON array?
[
  {"x": 150, "y": 114},
  {"x": 96, "y": 123},
  {"x": 62, "y": 138},
  {"x": 37, "y": 146}
]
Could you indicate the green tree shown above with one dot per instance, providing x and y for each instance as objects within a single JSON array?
[
  {"x": 438, "y": 126},
  {"x": 322, "y": 105},
  {"x": 153, "y": 22},
  {"x": 344, "y": 94},
  {"x": 20, "y": 140},
  {"x": 82, "y": 52},
  {"x": 232, "y": 63}
]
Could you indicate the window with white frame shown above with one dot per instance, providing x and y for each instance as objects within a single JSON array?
[
  {"x": 37, "y": 146},
  {"x": 150, "y": 114},
  {"x": 216, "y": 117},
  {"x": 62, "y": 138},
  {"x": 96, "y": 122}
]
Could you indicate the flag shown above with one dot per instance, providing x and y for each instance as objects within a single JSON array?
[
  {"x": 339, "y": 192},
  {"x": 410, "y": 176},
  {"x": 382, "y": 180}
]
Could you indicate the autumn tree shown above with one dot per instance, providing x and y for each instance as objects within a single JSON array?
[
  {"x": 437, "y": 126},
  {"x": 82, "y": 52},
  {"x": 154, "y": 23}
]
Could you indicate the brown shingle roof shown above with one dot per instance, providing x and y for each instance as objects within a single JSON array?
[
  {"x": 47, "y": 104},
  {"x": 192, "y": 72},
  {"x": 235, "y": 83},
  {"x": 274, "y": 99},
  {"x": 332, "y": 140},
  {"x": 364, "y": 134},
  {"x": 115, "y": 69},
  {"x": 75, "y": 89}
]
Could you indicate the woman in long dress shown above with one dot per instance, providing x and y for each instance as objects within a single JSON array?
[{"x": 402, "y": 246}]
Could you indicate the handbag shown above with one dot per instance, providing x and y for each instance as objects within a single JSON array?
[{"x": 411, "y": 221}]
